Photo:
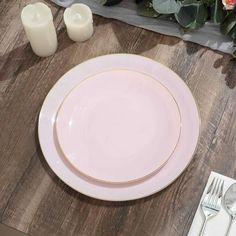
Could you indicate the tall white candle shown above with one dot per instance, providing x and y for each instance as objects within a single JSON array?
[
  {"x": 37, "y": 20},
  {"x": 79, "y": 22}
]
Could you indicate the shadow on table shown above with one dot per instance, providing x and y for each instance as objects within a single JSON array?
[
  {"x": 99, "y": 20},
  {"x": 22, "y": 58},
  {"x": 226, "y": 63},
  {"x": 137, "y": 40},
  {"x": 193, "y": 48},
  {"x": 79, "y": 196},
  {"x": 228, "y": 68}
]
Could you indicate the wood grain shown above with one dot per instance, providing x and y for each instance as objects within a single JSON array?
[{"x": 34, "y": 200}]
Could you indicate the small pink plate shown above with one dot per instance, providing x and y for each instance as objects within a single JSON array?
[{"x": 118, "y": 126}]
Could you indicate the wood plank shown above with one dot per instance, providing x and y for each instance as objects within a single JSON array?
[
  {"x": 6, "y": 230},
  {"x": 34, "y": 200}
]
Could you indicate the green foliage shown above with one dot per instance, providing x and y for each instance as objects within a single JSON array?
[
  {"x": 190, "y": 14},
  {"x": 208, "y": 2},
  {"x": 166, "y": 6},
  {"x": 228, "y": 23},
  {"x": 145, "y": 8},
  {"x": 217, "y": 11}
]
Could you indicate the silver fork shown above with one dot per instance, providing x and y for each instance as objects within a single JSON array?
[{"x": 211, "y": 202}]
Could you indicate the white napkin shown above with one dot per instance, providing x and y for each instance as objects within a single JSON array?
[{"x": 216, "y": 226}]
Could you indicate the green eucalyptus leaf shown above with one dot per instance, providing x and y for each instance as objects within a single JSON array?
[
  {"x": 234, "y": 53},
  {"x": 103, "y": 2},
  {"x": 232, "y": 33},
  {"x": 228, "y": 24},
  {"x": 189, "y": 2},
  {"x": 166, "y": 6},
  {"x": 145, "y": 8},
  {"x": 208, "y": 2},
  {"x": 218, "y": 12},
  {"x": 192, "y": 16}
]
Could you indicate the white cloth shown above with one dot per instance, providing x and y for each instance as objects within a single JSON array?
[
  {"x": 208, "y": 36},
  {"x": 217, "y": 225}
]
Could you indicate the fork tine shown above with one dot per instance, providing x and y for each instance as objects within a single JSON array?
[
  {"x": 212, "y": 193},
  {"x": 220, "y": 193},
  {"x": 221, "y": 189},
  {"x": 209, "y": 190},
  {"x": 216, "y": 193},
  {"x": 211, "y": 203},
  {"x": 210, "y": 187}
]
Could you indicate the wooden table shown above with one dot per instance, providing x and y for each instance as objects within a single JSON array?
[{"x": 34, "y": 200}]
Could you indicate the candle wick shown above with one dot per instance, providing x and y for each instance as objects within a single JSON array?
[
  {"x": 36, "y": 16},
  {"x": 77, "y": 17}
]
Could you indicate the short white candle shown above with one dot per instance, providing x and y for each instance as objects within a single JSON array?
[
  {"x": 79, "y": 22},
  {"x": 37, "y": 20}
]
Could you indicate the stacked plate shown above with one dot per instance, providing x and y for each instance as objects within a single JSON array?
[{"x": 119, "y": 127}]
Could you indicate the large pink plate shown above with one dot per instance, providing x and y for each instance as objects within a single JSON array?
[
  {"x": 118, "y": 126},
  {"x": 180, "y": 158}
]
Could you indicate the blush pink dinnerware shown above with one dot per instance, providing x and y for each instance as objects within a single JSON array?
[
  {"x": 123, "y": 110},
  {"x": 118, "y": 126}
]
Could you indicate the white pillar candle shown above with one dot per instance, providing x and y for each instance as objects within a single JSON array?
[
  {"x": 37, "y": 20},
  {"x": 79, "y": 22}
]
